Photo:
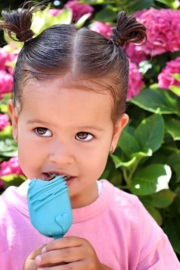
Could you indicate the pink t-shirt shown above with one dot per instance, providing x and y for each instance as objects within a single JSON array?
[{"x": 117, "y": 225}]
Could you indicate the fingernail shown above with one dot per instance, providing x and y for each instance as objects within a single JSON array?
[
  {"x": 38, "y": 259},
  {"x": 40, "y": 269},
  {"x": 43, "y": 250}
]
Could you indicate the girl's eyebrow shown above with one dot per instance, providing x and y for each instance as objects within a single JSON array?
[{"x": 46, "y": 123}]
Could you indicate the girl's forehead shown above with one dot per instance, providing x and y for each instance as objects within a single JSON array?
[{"x": 51, "y": 99}]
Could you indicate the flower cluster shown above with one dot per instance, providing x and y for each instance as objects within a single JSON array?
[
  {"x": 6, "y": 72},
  {"x": 135, "y": 78},
  {"x": 10, "y": 167},
  {"x": 4, "y": 121},
  {"x": 102, "y": 28},
  {"x": 6, "y": 82},
  {"x": 165, "y": 80},
  {"x": 163, "y": 31},
  {"x": 78, "y": 10},
  {"x": 135, "y": 81}
]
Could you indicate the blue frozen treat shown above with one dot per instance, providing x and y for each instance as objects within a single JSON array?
[{"x": 49, "y": 206}]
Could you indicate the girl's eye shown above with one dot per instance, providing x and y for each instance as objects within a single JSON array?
[
  {"x": 85, "y": 136},
  {"x": 44, "y": 132}
]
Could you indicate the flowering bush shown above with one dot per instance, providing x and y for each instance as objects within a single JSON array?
[
  {"x": 165, "y": 80},
  {"x": 4, "y": 121},
  {"x": 10, "y": 167},
  {"x": 102, "y": 28},
  {"x": 135, "y": 81},
  {"x": 163, "y": 31},
  {"x": 6, "y": 82},
  {"x": 5, "y": 58}
]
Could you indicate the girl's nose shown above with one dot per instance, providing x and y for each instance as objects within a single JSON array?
[{"x": 61, "y": 154}]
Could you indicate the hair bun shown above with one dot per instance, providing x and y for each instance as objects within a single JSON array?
[
  {"x": 25, "y": 35},
  {"x": 128, "y": 30},
  {"x": 19, "y": 22}
]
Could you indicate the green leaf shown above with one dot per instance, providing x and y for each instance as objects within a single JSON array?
[
  {"x": 171, "y": 228},
  {"x": 96, "y": 2},
  {"x": 128, "y": 143},
  {"x": 65, "y": 17},
  {"x": 148, "y": 204},
  {"x": 120, "y": 163},
  {"x": 42, "y": 20},
  {"x": 173, "y": 127},
  {"x": 111, "y": 173},
  {"x": 13, "y": 180},
  {"x": 170, "y": 3},
  {"x": 8, "y": 147},
  {"x": 174, "y": 208},
  {"x": 174, "y": 162},
  {"x": 108, "y": 14},
  {"x": 6, "y": 133},
  {"x": 10, "y": 40},
  {"x": 135, "y": 5},
  {"x": 175, "y": 90},
  {"x": 151, "y": 179},
  {"x": 163, "y": 198},
  {"x": 150, "y": 133},
  {"x": 82, "y": 20},
  {"x": 176, "y": 76},
  {"x": 158, "y": 100}
]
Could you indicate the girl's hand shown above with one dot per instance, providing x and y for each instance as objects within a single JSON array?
[
  {"x": 30, "y": 263},
  {"x": 75, "y": 253}
]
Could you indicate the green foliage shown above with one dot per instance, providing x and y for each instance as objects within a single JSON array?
[
  {"x": 13, "y": 180},
  {"x": 148, "y": 156}
]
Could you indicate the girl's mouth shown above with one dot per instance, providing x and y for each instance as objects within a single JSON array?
[{"x": 51, "y": 176}]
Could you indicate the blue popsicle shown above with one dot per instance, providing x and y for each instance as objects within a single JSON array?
[{"x": 49, "y": 206}]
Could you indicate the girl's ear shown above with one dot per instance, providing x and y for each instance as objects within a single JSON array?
[
  {"x": 120, "y": 124},
  {"x": 14, "y": 118}
]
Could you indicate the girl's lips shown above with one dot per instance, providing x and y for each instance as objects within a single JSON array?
[{"x": 68, "y": 182}]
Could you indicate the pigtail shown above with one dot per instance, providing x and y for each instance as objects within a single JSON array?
[
  {"x": 128, "y": 30},
  {"x": 19, "y": 22}
]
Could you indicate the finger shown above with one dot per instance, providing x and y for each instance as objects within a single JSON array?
[
  {"x": 36, "y": 252},
  {"x": 65, "y": 242},
  {"x": 29, "y": 263},
  {"x": 73, "y": 266},
  {"x": 65, "y": 255}
]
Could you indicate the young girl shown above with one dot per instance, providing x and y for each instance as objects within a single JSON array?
[{"x": 67, "y": 114}]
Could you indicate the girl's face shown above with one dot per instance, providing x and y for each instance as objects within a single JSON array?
[{"x": 67, "y": 131}]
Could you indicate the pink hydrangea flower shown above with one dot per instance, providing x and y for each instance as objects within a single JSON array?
[
  {"x": 6, "y": 82},
  {"x": 135, "y": 81},
  {"x": 136, "y": 53},
  {"x": 6, "y": 57},
  {"x": 165, "y": 80},
  {"x": 163, "y": 29},
  {"x": 78, "y": 9},
  {"x": 4, "y": 121},
  {"x": 10, "y": 167},
  {"x": 54, "y": 12},
  {"x": 102, "y": 28}
]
